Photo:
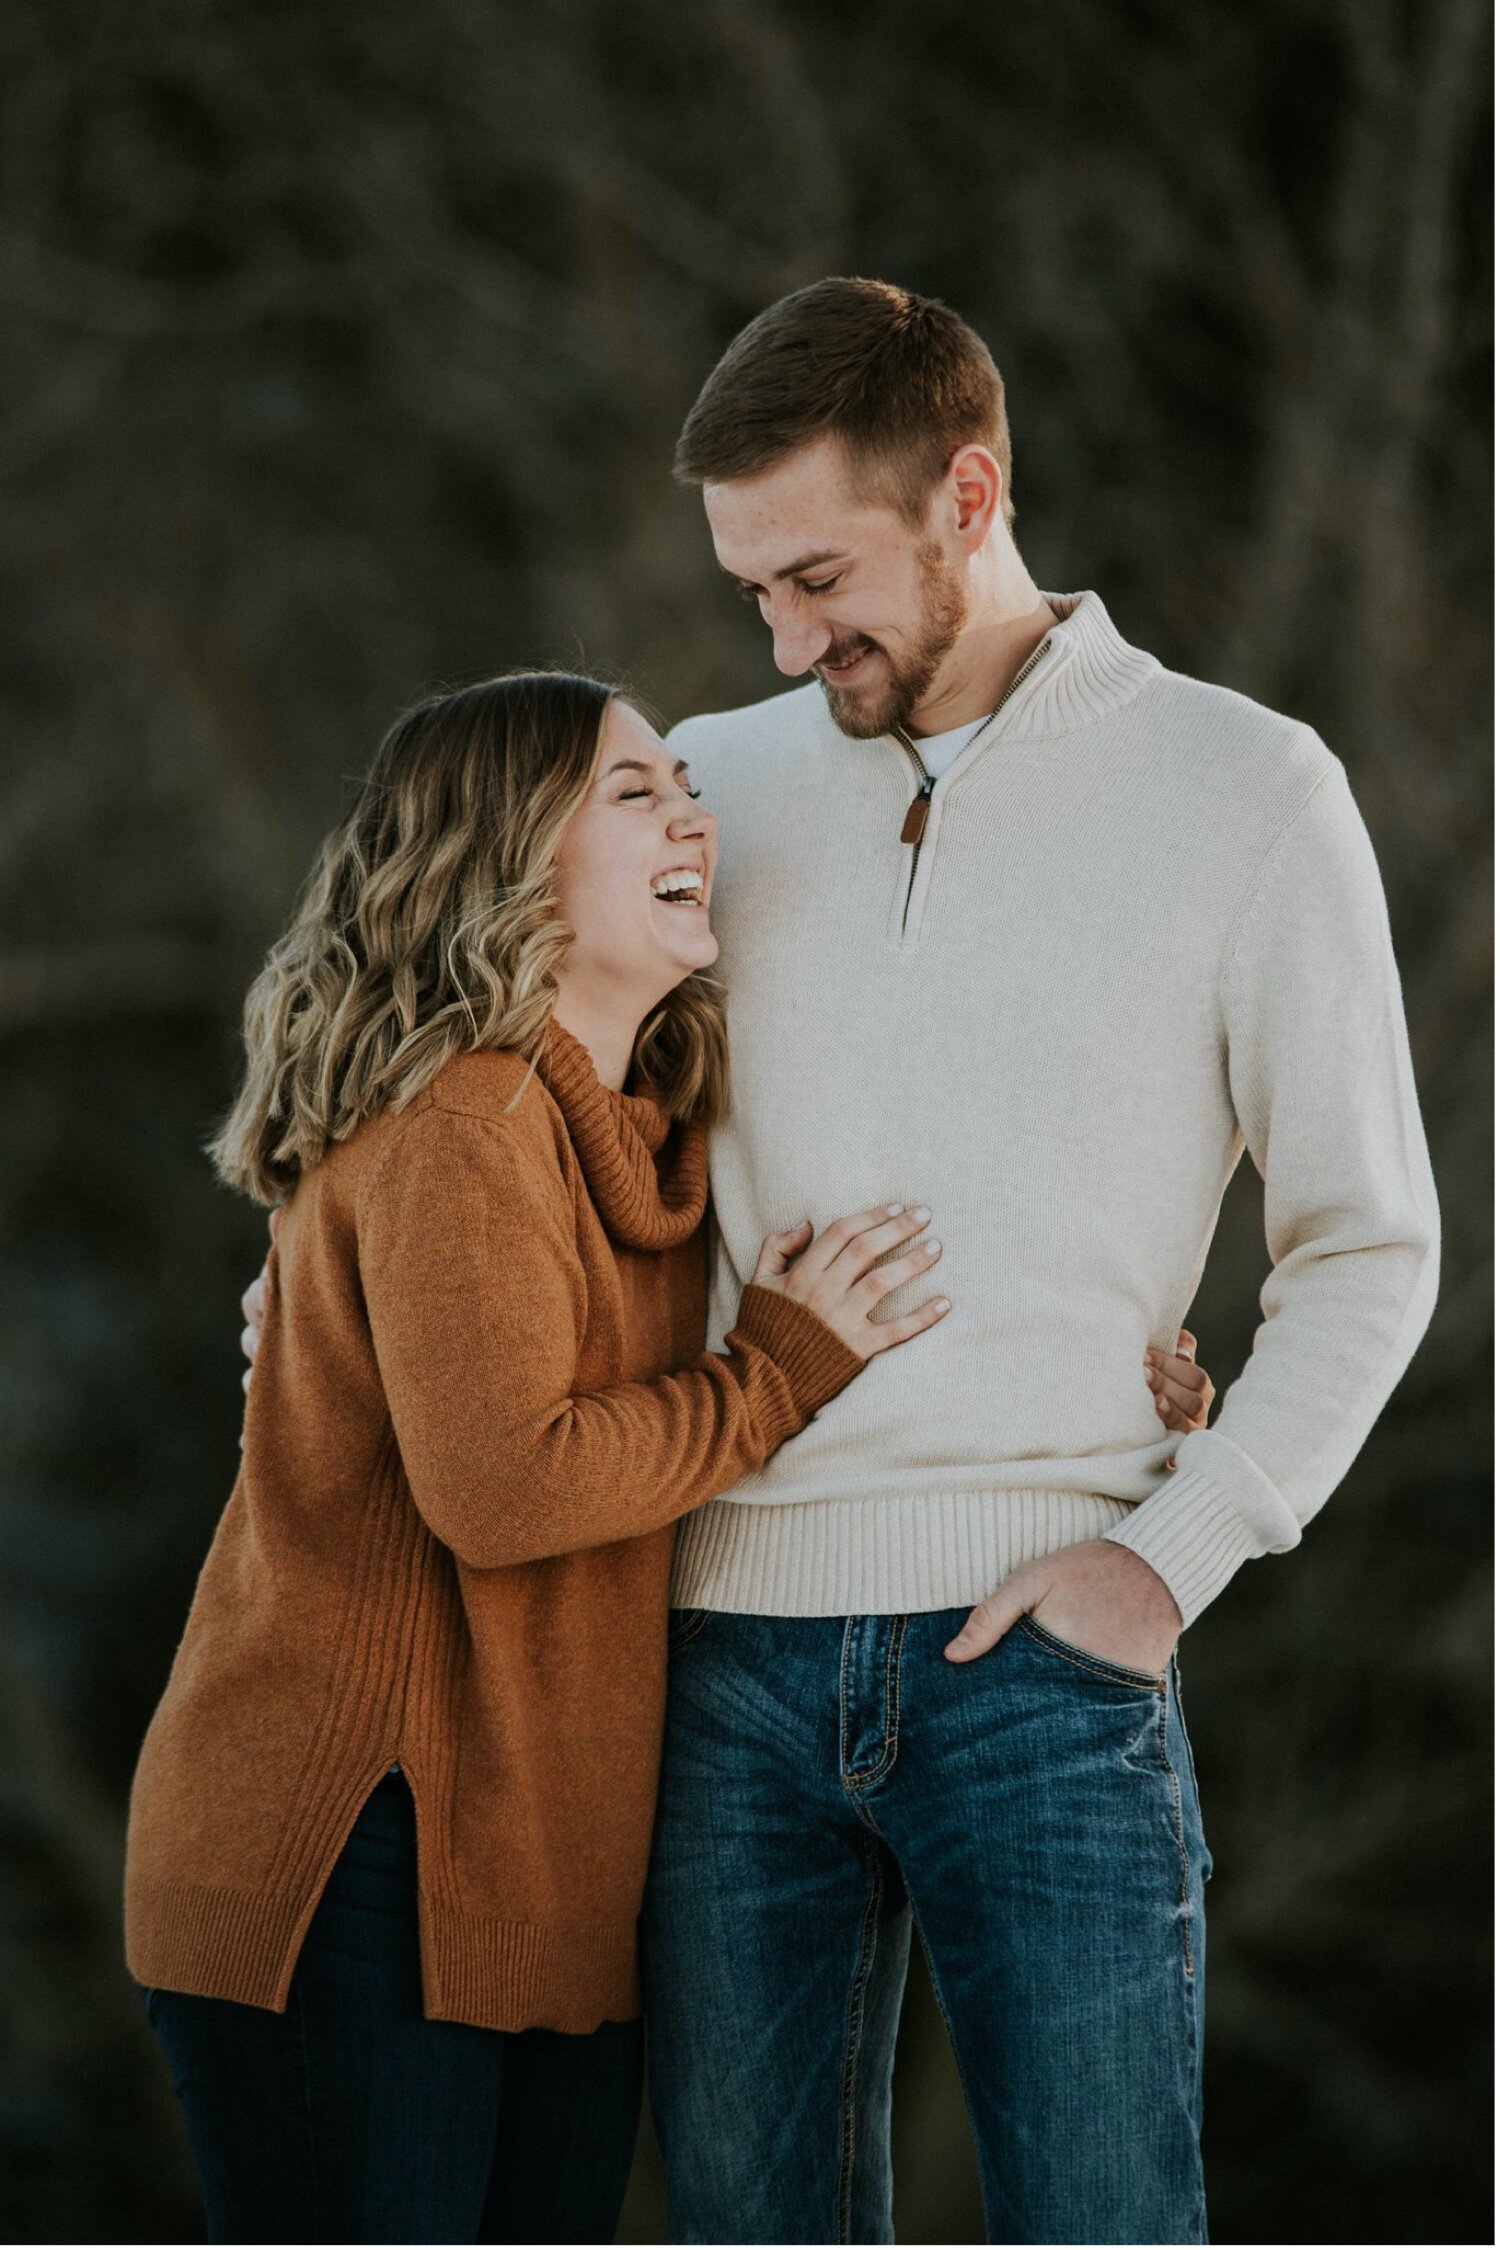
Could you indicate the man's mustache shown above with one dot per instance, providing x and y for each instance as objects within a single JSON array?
[{"x": 845, "y": 651}]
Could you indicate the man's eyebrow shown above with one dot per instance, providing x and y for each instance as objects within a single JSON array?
[
  {"x": 795, "y": 569},
  {"x": 638, "y": 765}
]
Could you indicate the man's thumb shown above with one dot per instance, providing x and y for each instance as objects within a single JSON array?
[{"x": 986, "y": 1622}]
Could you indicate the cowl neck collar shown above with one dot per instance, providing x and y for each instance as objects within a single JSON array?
[{"x": 648, "y": 1178}]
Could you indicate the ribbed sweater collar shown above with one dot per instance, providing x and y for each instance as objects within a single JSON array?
[
  {"x": 647, "y": 1177},
  {"x": 1089, "y": 669}
]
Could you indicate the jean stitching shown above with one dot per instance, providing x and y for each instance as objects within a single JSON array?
[
  {"x": 1184, "y": 1906},
  {"x": 844, "y": 1701},
  {"x": 1187, "y": 1739},
  {"x": 677, "y": 1640},
  {"x": 1120, "y": 1674},
  {"x": 854, "y": 2025},
  {"x": 890, "y": 1741}
]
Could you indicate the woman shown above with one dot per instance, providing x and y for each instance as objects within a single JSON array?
[
  {"x": 390, "y": 1824},
  {"x": 389, "y": 1827}
]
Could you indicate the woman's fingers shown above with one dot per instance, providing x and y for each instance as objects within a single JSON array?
[
  {"x": 875, "y": 1243},
  {"x": 868, "y": 1244},
  {"x": 852, "y": 1244},
  {"x": 778, "y": 1251},
  {"x": 844, "y": 1272},
  {"x": 888, "y": 1332},
  {"x": 882, "y": 1279}
]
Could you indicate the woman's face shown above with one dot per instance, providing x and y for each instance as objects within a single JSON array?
[{"x": 637, "y": 934}]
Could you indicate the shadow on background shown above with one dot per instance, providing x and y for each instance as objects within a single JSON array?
[{"x": 343, "y": 352}]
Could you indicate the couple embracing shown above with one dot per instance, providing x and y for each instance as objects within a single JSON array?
[{"x": 643, "y": 1585}]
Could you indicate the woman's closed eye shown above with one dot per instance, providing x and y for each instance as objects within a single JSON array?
[{"x": 627, "y": 793}]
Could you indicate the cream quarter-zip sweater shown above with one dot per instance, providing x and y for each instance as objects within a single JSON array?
[{"x": 1143, "y": 931}]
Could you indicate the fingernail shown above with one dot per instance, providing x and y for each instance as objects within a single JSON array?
[
  {"x": 943, "y": 1305},
  {"x": 933, "y": 1248},
  {"x": 920, "y": 1211},
  {"x": 893, "y": 1210}
]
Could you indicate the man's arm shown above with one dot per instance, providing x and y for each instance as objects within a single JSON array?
[{"x": 1321, "y": 1077}]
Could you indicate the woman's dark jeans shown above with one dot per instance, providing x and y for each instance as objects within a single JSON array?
[{"x": 351, "y": 2118}]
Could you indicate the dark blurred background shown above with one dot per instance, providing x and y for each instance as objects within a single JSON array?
[{"x": 343, "y": 352}]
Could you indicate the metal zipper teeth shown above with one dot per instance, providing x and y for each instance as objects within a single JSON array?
[
  {"x": 913, "y": 752},
  {"x": 1030, "y": 665}
]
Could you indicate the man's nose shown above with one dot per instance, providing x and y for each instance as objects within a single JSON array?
[{"x": 797, "y": 642}]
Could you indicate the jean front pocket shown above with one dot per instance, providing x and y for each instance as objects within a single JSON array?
[
  {"x": 684, "y": 1625},
  {"x": 1086, "y": 1660}
]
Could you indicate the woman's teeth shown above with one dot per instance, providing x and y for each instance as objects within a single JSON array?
[{"x": 680, "y": 886}]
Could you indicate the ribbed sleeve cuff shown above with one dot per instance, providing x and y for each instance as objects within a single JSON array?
[
  {"x": 1192, "y": 1535},
  {"x": 816, "y": 1363}
]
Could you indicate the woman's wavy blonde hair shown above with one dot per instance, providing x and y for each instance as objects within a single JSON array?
[{"x": 430, "y": 926}]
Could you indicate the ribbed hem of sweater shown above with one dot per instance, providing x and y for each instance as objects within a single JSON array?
[
  {"x": 875, "y": 1557},
  {"x": 502, "y": 1976}
]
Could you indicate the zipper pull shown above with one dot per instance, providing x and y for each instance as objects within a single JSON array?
[{"x": 916, "y": 812}]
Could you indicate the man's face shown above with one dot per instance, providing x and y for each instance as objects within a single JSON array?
[{"x": 852, "y": 592}]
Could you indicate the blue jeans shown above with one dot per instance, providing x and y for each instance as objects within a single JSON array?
[
  {"x": 830, "y": 1783},
  {"x": 352, "y": 2118}
]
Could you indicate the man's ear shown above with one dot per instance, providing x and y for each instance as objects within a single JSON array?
[{"x": 975, "y": 488}]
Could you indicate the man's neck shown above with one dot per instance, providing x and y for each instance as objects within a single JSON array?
[{"x": 980, "y": 667}]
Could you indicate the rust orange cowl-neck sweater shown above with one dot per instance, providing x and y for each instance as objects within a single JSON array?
[{"x": 479, "y": 1404}]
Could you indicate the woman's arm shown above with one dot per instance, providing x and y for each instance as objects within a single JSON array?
[{"x": 476, "y": 1300}]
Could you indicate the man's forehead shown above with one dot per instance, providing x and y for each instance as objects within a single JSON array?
[
  {"x": 795, "y": 516},
  {"x": 816, "y": 475}
]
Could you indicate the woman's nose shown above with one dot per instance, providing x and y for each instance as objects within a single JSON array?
[{"x": 692, "y": 820}]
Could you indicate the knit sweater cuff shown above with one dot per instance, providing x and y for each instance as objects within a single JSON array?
[
  {"x": 816, "y": 1362},
  {"x": 1193, "y": 1536}
]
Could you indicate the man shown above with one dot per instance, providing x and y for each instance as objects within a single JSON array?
[{"x": 1021, "y": 925}]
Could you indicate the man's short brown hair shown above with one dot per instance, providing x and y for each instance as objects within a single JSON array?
[{"x": 898, "y": 378}]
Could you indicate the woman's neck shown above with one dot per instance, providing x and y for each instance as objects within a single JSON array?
[{"x": 610, "y": 1042}]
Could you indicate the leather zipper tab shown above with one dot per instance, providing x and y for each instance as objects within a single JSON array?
[{"x": 916, "y": 812}]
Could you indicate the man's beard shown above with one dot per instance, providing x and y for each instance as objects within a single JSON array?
[{"x": 867, "y": 712}]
